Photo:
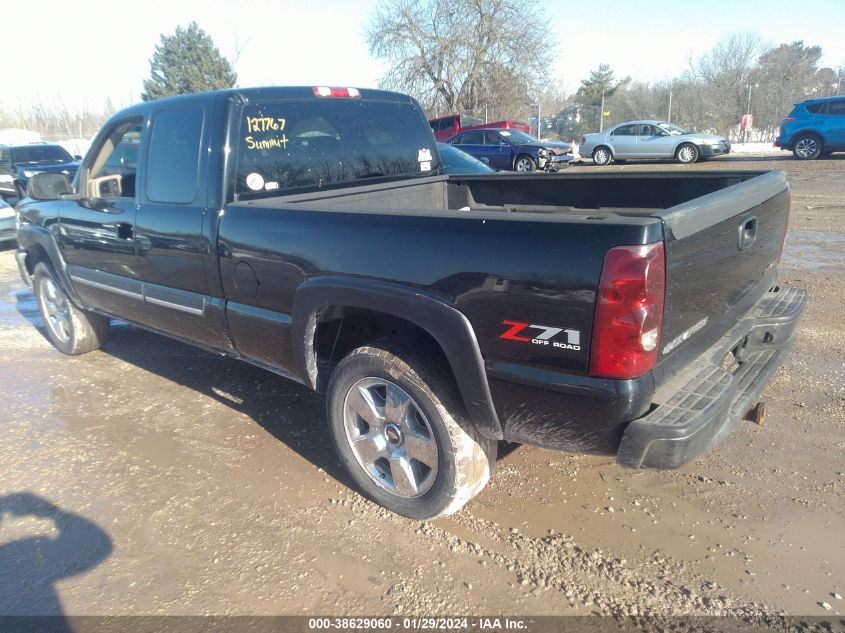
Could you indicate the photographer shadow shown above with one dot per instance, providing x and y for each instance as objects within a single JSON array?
[{"x": 31, "y": 566}]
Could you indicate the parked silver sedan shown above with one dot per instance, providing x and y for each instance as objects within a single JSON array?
[{"x": 651, "y": 139}]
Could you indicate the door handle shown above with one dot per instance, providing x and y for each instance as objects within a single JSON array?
[
  {"x": 124, "y": 230},
  {"x": 747, "y": 231}
]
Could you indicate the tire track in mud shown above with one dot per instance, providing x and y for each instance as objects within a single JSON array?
[{"x": 589, "y": 581}]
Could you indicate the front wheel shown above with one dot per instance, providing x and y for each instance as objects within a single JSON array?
[
  {"x": 602, "y": 156},
  {"x": 807, "y": 147},
  {"x": 71, "y": 331},
  {"x": 525, "y": 164},
  {"x": 687, "y": 153},
  {"x": 401, "y": 432}
]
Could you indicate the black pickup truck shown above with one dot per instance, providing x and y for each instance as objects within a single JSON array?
[{"x": 311, "y": 231}]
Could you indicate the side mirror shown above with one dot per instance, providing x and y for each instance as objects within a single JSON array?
[
  {"x": 77, "y": 157},
  {"x": 105, "y": 187},
  {"x": 485, "y": 160},
  {"x": 47, "y": 186}
]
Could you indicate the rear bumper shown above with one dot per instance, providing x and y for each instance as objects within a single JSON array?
[{"x": 702, "y": 405}]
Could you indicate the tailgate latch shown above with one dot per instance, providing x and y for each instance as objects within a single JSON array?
[{"x": 747, "y": 231}]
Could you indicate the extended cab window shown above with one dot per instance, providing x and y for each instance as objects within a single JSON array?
[
  {"x": 173, "y": 164},
  {"x": 314, "y": 143}
]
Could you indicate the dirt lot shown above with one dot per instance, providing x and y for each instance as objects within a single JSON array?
[{"x": 153, "y": 478}]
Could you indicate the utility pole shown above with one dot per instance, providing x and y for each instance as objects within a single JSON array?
[
  {"x": 669, "y": 117},
  {"x": 748, "y": 109},
  {"x": 538, "y": 118},
  {"x": 601, "y": 113}
]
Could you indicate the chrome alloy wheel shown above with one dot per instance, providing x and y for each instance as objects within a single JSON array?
[
  {"x": 390, "y": 437},
  {"x": 807, "y": 147},
  {"x": 56, "y": 310},
  {"x": 601, "y": 156},
  {"x": 687, "y": 154},
  {"x": 523, "y": 164}
]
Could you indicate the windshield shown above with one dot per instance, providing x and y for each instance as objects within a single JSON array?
[
  {"x": 673, "y": 129},
  {"x": 315, "y": 143},
  {"x": 518, "y": 135},
  {"x": 457, "y": 162},
  {"x": 38, "y": 153}
]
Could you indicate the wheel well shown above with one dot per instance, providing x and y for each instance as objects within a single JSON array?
[
  {"x": 341, "y": 329},
  {"x": 603, "y": 146},
  {"x": 34, "y": 255},
  {"x": 678, "y": 148}
]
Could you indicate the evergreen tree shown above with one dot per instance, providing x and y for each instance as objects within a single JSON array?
[{"x": 187, "y": 61}]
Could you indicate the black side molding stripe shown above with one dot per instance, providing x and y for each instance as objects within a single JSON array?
[
  {"x": 173, "y": 298},
  {"x": 259, "y": 313},
  {"x": 102, "y": 286}
]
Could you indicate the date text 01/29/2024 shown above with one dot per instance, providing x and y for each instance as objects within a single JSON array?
[{"x": 418, "y": 623}]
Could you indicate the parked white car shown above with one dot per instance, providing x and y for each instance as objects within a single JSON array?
[{"x": 651, "y": 139}]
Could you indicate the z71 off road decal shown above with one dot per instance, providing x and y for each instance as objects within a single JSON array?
[{"x": 547, "y": 335}]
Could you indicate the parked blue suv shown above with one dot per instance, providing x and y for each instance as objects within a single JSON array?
[{"x": 814, "y": 128}]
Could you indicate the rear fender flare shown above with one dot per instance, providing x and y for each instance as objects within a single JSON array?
[{"x": 448, "y": 326}]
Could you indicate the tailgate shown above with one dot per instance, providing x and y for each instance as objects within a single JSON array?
[{"x": 721, "y": 255}]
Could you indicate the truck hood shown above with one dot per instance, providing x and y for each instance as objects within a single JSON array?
[{"x": 49, "y": 166}]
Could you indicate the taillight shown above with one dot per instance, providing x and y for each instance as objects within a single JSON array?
[
  {"x": 344, "y": 93},
  {"x": 788, "y": 119},
  {"x": 583, "y": 140},
  {"x": 629, "y": 312}
]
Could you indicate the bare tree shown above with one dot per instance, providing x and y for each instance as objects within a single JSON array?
[
  {"x": 722, "y": 77},
  {"x": 463, "y": 54}
]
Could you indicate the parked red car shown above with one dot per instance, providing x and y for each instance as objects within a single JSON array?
[{"x": 446, "y": 127}]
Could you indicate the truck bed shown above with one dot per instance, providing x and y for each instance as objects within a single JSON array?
[{"x": 635, "y": 195}]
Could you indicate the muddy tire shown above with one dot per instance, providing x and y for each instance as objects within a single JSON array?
[
  {"x": 71, "y": 331},
  {"x": 401, "y": 432}
]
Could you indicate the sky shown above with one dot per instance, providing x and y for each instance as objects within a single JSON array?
[{"x": 83, "y": 52}]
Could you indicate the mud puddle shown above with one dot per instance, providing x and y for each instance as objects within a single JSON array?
[{"x": 814, "y": 250}]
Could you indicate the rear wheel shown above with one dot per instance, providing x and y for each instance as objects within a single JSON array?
[
  {"x": 71, "y": 331},
  {"x": 687, "y": 153},
  {"x": 807, "y": 147},
  {"x": 525, "y": 164},
  {"x": 401, "y": 432},
  {"x": 602, "y": 156}
]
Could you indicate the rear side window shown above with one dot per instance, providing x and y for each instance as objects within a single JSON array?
[
  {"x": 472, "y": 138},
  {"x": 173, "y": 163},
  {"x": 625, "y": 130},
  {"x": 817, "y": 108},
  {"x": 836, "y": 108},
  {"x": 310, "y": 144}
]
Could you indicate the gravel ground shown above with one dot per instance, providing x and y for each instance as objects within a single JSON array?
[{"x": 153, "y": 478}]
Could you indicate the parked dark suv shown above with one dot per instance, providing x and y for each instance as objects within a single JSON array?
[
  {"x": 814, "y": 128},
  {"x": 21, "y": 162}
]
